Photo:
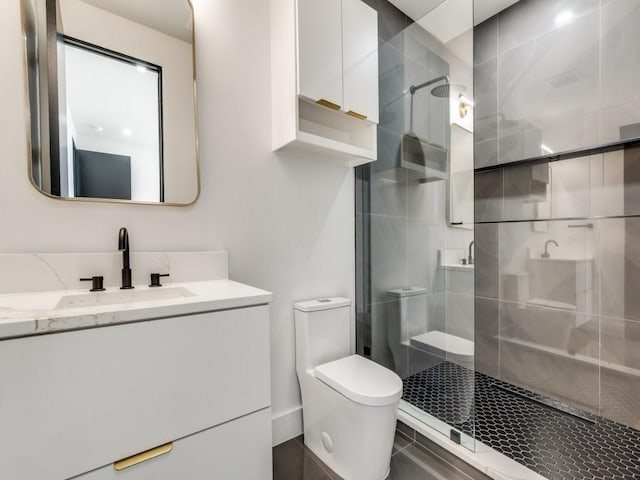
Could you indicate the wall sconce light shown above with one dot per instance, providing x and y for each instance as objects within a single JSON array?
[{"x": 463, "y": 105}]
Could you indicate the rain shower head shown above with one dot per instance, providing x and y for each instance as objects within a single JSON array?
[{"x": 441, "y": 91}]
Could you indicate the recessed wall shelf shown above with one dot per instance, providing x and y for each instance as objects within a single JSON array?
[{"x": 581, "y": 152}]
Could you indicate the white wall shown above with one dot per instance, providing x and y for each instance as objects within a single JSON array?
[{"x": 288, "y": 223}]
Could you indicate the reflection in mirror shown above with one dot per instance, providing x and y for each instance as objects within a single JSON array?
[
  {"x": 460, "y": 186},
  {"x": 112, "y": 99},
  {"x": 113, "y": 147}
]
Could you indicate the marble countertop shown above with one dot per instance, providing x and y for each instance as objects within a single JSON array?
[{"x": 37, "y": 313}]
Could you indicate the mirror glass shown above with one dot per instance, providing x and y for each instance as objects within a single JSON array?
[
  {"x": 460, "y": 181},
  {"x": 112, "y": 100}
]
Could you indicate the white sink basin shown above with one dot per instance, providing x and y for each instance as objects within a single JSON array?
[{"x": 94, "y": 299}]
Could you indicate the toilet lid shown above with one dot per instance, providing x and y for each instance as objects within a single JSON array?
[{"x": 361, "y": 380}]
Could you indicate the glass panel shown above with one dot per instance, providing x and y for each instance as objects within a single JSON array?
[
  {"x": 603, "y": 185},
  {"x": 556, "y": 76},
  {"x": 415, "y": 269},
  {"x": 557, "y": 312}
]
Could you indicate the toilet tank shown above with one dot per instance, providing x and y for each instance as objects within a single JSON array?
[{"x": 323, "y": 331}]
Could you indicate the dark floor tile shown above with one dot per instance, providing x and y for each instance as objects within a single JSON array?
[
  {"x": 406, "y": 429},
  {"x": 539, "y": 432},
  {"x": 416, "y": 463},
  {"x": 449, "y": 458},
  {"x": 292, "y": 461},
  {"x": 400, "y": 442}
]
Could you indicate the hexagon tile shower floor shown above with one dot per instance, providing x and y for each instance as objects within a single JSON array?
[{"x": 557, "y": 441}]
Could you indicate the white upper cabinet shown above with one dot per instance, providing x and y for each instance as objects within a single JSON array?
[
  {"x": 325, "y": 78},
  {"x": 320, "y": 50},
  {"x": 360, "y": 59}
]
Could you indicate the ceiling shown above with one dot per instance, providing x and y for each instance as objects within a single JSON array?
[
  {"x": 482, "y": 9},
  {"x": 173, "y": 18}
]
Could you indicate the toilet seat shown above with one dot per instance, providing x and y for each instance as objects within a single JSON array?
[{"x": 361, "y": 380}]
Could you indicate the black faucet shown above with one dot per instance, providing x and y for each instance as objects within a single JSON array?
[
  {"x": 546, "y": 248},
  {"x": 470, "y": 258},
  {"x": 123, "y": 246}
]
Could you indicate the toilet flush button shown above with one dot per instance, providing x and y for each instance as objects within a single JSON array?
[{"x": 327, "y": 442}]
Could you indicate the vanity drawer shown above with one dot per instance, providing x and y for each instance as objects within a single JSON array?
[
  {"x": 70, "y": 402},
  {"x": 238, "y": 450}
]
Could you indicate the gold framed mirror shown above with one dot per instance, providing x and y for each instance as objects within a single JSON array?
[{"x": 112, "y": 100}]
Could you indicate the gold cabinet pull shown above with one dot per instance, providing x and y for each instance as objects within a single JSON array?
[
  {"x": 357, "y": 115},
  {"x": 328, "y": 104},
  {"x": 143, "y": 456}
]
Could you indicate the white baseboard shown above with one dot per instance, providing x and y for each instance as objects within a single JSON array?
[{"x": 286, "y": 425}]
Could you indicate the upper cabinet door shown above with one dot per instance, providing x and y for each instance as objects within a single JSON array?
[
  {"x": 320, "y": 50},
  {"x": 360, "y": 58}
]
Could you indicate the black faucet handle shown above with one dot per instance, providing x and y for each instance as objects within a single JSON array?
[
  {"x": 97, "y": 283},
  {"x": 155, "y": 279}
]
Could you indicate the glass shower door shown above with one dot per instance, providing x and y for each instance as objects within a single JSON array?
[{"x": 415, "y": 275}]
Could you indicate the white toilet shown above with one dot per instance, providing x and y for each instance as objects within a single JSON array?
[{"x": 349, "y": 403}]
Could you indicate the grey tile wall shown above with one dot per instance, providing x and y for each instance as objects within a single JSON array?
[
  {"x": 562, "y": 74},
  {"x": 568, "y": 326},
  {"x": 489, "y": 196},
  {"x": 565, "y": 326},
  {"x": 620, "y": 65},
  {"x": 391, "y": 21},
  {"x": 487, "y": 336},
  {"x": 574, "y": 188},
  {"x": 381, "y": 197}
]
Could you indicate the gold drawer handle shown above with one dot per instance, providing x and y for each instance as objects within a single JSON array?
[
  {"x": 143, "y": 456},
  {"x": 328, "y": 104},
  {"x": 357, "y": 115}
]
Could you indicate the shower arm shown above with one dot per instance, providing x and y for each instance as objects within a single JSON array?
[{"x": 414, "y": 88}]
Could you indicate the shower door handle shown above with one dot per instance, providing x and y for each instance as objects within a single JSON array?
[{"x": 586, "y": 225}]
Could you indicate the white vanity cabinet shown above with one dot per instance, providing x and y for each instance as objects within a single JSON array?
[
  {"x": 74, "y": 403},
  {"x": 234, "y": 450},
  {"x": 325, "y": 78}
]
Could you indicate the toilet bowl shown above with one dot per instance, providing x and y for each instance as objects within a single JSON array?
[{"x": 349, "y": 403}]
